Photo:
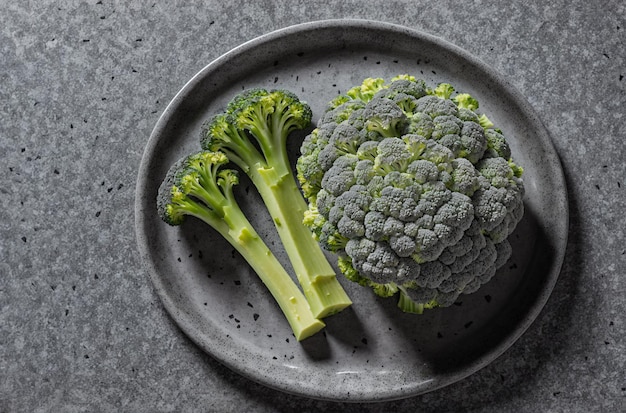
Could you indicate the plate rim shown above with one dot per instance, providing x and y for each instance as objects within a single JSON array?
[{"x": 187, "y": 326}]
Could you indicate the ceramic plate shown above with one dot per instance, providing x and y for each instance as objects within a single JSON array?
[{"x": 371, "y": 351}]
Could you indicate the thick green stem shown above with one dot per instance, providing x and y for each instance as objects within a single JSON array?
[
  {"x": 317, "y": 277},
  {"x": 241, "y": 235}
]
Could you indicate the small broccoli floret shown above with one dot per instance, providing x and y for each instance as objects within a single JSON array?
[
  {"x": 392, "y": 156},
  {"x": 366, "y": 90},
  {"x": 498, "y": 200},
  {"x": 309, "y": 169},
  {"x": 418, "y": 194},
  {"x": 434, "y": 106},
  {"x": 465, "y": 101},
  {"x": 473, "y": 142},
  {"x": 253, "y": 132},
  {"x": 467, "y": 115},
  {"x": 340, "y": 177},
  {"x": 485, "y": 122},
  {"x": 404, "y": 93},
  {"x": 408, "y": 85},
  {"x": 445, "y": 125},
  {"x": 345, "y": 139},
  {"x": 342, "y": 112},
  {"x": 385, "y": 117},
  {"x": 421, "y": 124},
  {"x": 464, "y": 177},
  {"x": 406, "y": 102},
  {"x": 443, "y": 90},
  {"x": 197, "y": 186},
  {"x": 497, "y": 145}
]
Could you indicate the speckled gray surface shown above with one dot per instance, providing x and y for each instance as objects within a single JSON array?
[{"x": 81, "y": 328}]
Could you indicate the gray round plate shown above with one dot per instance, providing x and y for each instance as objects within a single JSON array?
[{"x": 371, "y": 351}]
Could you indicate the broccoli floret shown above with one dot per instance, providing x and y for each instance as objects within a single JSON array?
[
  {"x": 434, "y": 106},
  {"x": 253, "y": 132},
  {"x": 444, "y": 90},
  {"x": 342, "y": 112},
  {"x": 473, "y": 142},
  {"x": 464, "y": 177},
  {"x": 408, "y": 85},
  {"x": 197, "y": 186},
  {"x": 418, "y": 194},
  {"x": 366, "y": 90},
  {"x": 466, "y": 101},
  {"x": 467, "y": 115},
  {"x": 310, "y": 169},
  {"x": 498, "y": 200},
  {"x": 497, "y": 145},
  {"x": 345, "y": 139},
  {"x": 340, "y": 177},
  {"x": 485, "y": 122},
  {"x": 445, "y": 125},
  {"x": 385, "y": 117}
]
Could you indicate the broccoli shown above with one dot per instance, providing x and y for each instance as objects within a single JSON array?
[
  {"x": 413, "y": 189},
  {"x": 252, "y": 132},
  {"x": 197, "y": 186}
]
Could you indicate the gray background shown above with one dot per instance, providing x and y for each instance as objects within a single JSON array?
[{"x": 83, "y": 83}]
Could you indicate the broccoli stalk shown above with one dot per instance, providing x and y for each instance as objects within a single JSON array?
[
  {"x": 253, "y": 133},
  {"x": 195, "y": 186}
]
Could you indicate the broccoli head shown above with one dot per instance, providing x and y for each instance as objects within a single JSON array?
[{"x": 413, "y": 189}]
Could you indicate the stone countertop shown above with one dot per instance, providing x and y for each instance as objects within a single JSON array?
[{"x": 82, "y": 85}]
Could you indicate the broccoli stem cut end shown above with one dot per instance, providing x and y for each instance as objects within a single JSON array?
[{"x": 326, "y": 296}]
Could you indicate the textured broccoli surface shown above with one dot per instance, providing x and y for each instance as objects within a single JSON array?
[
  {"x": 198, "y": 186},
  {"x": 413, "y": 188},
  {"x": 253, "y": 133}
]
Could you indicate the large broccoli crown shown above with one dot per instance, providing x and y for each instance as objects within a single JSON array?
[{"x": 413, "y": 189}]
